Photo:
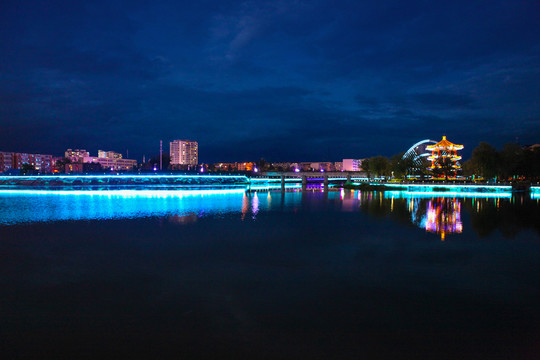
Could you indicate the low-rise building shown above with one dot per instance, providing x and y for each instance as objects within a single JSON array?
[
  {"x": 6, "y": 161},
  {"x": 80, "y": 168},
  {"x": 225, "y": 166},
  {"x": 352, "y": 165},
  {"x": 284, "y": 166},
  {"x": 76, "y": 155},
  {"x": 112, "y": 164},
  {"x": 40, "y": 162},
  {"x": 107, "y": 160},
  {"x": 246, "y": 166},
  {"x": 109, "y": 154},
  {"x": 314, "y": 166}
]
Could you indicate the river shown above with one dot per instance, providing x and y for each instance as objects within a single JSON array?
[{"x": 269, "y": 274}]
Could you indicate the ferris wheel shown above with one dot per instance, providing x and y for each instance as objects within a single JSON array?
[{"x": 417, "y": 153}]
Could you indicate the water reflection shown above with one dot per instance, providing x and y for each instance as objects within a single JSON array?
[
  {"x": 183, "y": 219},
  {"x": 443, "y": 216},
  {"x": 180, "y": 206},
  {"x": 245, "y": 205},
  {"x": 255, "y": 206},
  {"x": 250, "y": 203}
]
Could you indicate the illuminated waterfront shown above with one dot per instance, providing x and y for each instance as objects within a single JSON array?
[{"x": 294, "y": 274}]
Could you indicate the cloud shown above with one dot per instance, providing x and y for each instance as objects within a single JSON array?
[
  {"x": 444, "y": 100},
  {"x": 275, "y": 79}
]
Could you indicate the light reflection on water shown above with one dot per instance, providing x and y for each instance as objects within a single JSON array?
[
  {"x": 269, "y": 270},
  {"x": 444, "y": 216},
  {"x": 28, "y": 207},
  {"x": 438, "y": 213},
  {"x": 442, "y": 213},
  {"x": 180, "y": 206}
]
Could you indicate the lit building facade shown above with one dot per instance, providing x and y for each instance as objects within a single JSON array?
[
  {"x": 109, "y": 154},
  {"x": 184, "y": 152},
  {"x": 6, "y": 161},
  {"x": 108, "y": 160},
  {"x": 112, "y": 164},
  {"x": 352, "y": 165},
  {"x": 247, "y": 166},
  {"x": 76, "y": 155},
  {"x": 41, "y": 163}
]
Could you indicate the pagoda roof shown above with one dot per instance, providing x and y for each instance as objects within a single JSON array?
[{"x": 444, "y": 144}]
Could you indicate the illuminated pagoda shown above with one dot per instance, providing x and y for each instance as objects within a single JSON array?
[{"x": 444, "y": 156}]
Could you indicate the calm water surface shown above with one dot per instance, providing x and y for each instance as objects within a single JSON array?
[{"x": 338, "y": 274}]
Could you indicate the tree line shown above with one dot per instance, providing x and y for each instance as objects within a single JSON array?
[{"x": 512, "y": 162}]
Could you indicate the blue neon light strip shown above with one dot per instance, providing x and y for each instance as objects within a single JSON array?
[
  {"x": 126, "y": 193},
  {"x": 299, "y": 179},
  {"x": 457, "y": 186},
  {"x": 274, "y": 186},
  {"x": 429, "y": 194},
  {"x": 122, "y": 176}
]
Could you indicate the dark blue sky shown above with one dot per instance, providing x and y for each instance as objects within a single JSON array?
[{"x": 284, "y": 80}]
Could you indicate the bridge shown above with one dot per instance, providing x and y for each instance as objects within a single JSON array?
[
  {"x": 125, "y": 181},
  {"x": 306, "y": 177},
  {"x": 264, "y": 180},
  {"x": 173, "y": 180}
]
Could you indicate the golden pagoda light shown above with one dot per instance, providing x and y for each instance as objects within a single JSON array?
[{"x": 443, "y": 151}]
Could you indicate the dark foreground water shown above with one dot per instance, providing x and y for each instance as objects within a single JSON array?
[{"x": 299, "y": 275}]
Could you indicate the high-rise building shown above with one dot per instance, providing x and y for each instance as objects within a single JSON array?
[{"x": 184, "y": 152}]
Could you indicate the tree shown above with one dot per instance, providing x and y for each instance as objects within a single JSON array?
[
  {"x": 468, "y": 168},
  {"x": 366, "y": 166},
  {"x": 379, "y": 165},
  {"x": 401, "y": 167},
  {"x": 262, "y": 164},
  {"x": 27, "y": 168},
  {"x": 446, "y": 167},
  {"x": 512, "y": 161},
  {"x": 485, "y": 160},
  {"x": 398, "y": 166},
  {"x": 531, "y": 162},
  {"x": 423, "y": 169},
  {"x": 154, "y": 162},
  {"x": 61, "y": 163}
]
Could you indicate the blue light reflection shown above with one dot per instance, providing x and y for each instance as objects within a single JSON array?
[
  {"x": 430, "y": 194},
  {"x": 28, "y": 206}
]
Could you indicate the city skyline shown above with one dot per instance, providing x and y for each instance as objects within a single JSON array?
[{"x": 279, "y": 80}]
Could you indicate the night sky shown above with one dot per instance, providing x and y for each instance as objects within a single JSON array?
[{"x": 284, "y": 80}]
